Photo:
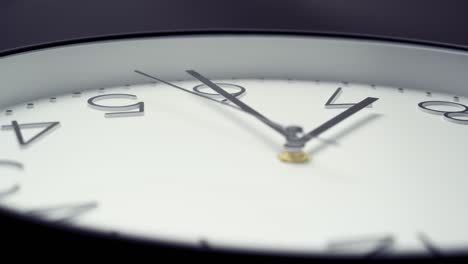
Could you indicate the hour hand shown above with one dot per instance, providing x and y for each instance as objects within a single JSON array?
[
  {"x": 294, "y": 145},
  {"x": 337, "y": 119},
  {"x": 278, "y": 128}
]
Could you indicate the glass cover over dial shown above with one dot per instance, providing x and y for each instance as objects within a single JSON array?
[{"x": 270, "y": 143}]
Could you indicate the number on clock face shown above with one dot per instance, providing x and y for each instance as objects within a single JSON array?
[
  {"x": 238, "y": 90},
  {"x": 12, "y": 189},
  {"x": 118, "y": 110},
  {"x": 458, "y": 117},
  {"x": 331, "y": 101},
  {"x": 47, "y": 127},
  {"x": 63, "y": 213},
  {"x": 372, "y": 247}
]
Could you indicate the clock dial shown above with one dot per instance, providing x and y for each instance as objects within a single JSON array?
[{"x": 248, "y": 157}]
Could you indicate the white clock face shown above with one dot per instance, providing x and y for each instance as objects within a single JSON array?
[{"x": 377, "y": 168}]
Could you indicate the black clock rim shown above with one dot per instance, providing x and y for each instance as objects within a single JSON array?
[
  {"x": 68, "y": 237},
  {"x": 207, "y": 32}
]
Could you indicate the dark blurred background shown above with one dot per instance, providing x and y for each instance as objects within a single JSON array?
[
  {"x": 26, "y": 22},
  {"x": 31, "y": 22}
]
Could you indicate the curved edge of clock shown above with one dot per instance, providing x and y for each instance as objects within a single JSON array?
[
  {"x": 39, "y": 238},
  {"x": 149, "y": 34}
]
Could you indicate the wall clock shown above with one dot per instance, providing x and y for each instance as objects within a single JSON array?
[{"x": 240, "y": 143}]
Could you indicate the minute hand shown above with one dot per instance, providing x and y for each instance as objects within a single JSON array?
[
  {"x": 238, "y": 102},
  {"x": 337, "y": 119}
]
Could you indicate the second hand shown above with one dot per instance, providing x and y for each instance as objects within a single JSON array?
[{"x": 187, "y": 91}]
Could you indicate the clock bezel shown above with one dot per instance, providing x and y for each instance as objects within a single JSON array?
[{"x": 66, "y": 232}]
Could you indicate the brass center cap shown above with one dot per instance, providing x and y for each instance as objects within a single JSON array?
[{"x": 293, "y": 156}]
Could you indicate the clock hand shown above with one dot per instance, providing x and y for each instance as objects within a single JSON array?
[
  {"x": 278, "y": 128},
  {"x": 294, "y": 143},
  {"x": 337, "y": 119},
  {"x": 185, "y": 90},
  {"x": 293, "y": 148}
]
